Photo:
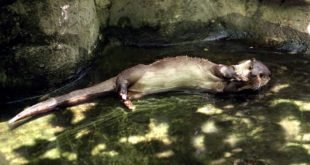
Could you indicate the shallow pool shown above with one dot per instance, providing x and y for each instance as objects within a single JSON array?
[{"x": 269, "y": 127}]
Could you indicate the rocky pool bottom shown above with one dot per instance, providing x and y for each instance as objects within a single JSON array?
[{"x": 269, "y": 127}]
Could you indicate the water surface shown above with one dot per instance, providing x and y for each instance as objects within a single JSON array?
[{"x": 269, "y": 127}]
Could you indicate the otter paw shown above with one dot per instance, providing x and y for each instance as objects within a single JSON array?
[{"x": 129, "y": 105}]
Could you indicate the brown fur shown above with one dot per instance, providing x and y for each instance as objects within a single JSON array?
[{"x": 168, "y": 74}]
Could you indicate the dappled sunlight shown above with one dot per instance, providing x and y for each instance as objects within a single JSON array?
[
  {"x": 229, "y": 106},
  {"x": 278, "y": 87},
  {"x": 157, "y": 131},
  {"x": 302, "y": 105},
  {"x": 292, "y": 128},
  {"x": 209, "y": 127},
  {"x": 256, "y": 132},
  {"x": 52, "y": 154},
  {"x": 248, "y": 122},
  {"x": 82, "y": 132},
  {"x": 209, "y": 110},
  {"x": 232, "y": 140},
  {"x": 199, "y": 143},
  {"x": 165, "y": 154},
  {"x": 306, "y": 138},
  {"x": 101, "y": 149},
  {"x": 27, "y": 135},
  {"x": 306, "y": 141},
  {"x": 98, "y": 149},
  {"x": 55, "y": 153},
  {"x": 269, "y": 127},
  {"x": 79, "y": 110},
  {"x": 71, "y": 156}
]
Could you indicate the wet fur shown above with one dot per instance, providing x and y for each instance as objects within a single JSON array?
[{"x": 168, "y": 74}]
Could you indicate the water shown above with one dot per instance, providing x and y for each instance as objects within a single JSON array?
[{"x": 269, "y": 127}]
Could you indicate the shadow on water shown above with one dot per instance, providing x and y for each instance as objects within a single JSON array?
[{"x": 269, "y": 127}]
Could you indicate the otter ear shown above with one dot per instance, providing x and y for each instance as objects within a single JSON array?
[{"x": 253, "y": 59}]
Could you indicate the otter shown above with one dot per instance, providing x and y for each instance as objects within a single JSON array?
[{"x": 181, "y": 73}]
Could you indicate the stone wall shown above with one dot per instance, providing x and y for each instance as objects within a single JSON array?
[
  {"x": 49, "y": 41},
  {"x": 280, "y": 24},
  {"x": 45, "y": 41}
]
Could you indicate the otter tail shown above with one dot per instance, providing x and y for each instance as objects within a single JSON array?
[{"x": 71, "y": 98}]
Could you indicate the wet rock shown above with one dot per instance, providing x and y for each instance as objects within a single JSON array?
[
  {"x": 278, "y": 24},
  {"x": 46, "y": 41},
  {"x": 51, "y": 40},
  {"x": 53, "y": 62}
]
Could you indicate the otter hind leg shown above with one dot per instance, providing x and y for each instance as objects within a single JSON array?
[
  {"x": 126, "y": 96},
  {"x": 122, "y": 90},
  {"x": 131, "y": 95},
  {"x": 135, "y": 95},
  {"x": 126, "y": 79}
]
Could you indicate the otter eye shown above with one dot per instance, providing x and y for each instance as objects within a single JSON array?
[
  {"x": 261, "y": 75},
  {"x": 251, "y": 67}
]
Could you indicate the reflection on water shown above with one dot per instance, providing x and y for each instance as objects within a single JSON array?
[{"x": 270, "y": 127}]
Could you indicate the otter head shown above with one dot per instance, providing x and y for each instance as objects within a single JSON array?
[{"x": 253, "y": 72}]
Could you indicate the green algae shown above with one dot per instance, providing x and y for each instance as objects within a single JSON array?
[{"x": 270, "y": 127}]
